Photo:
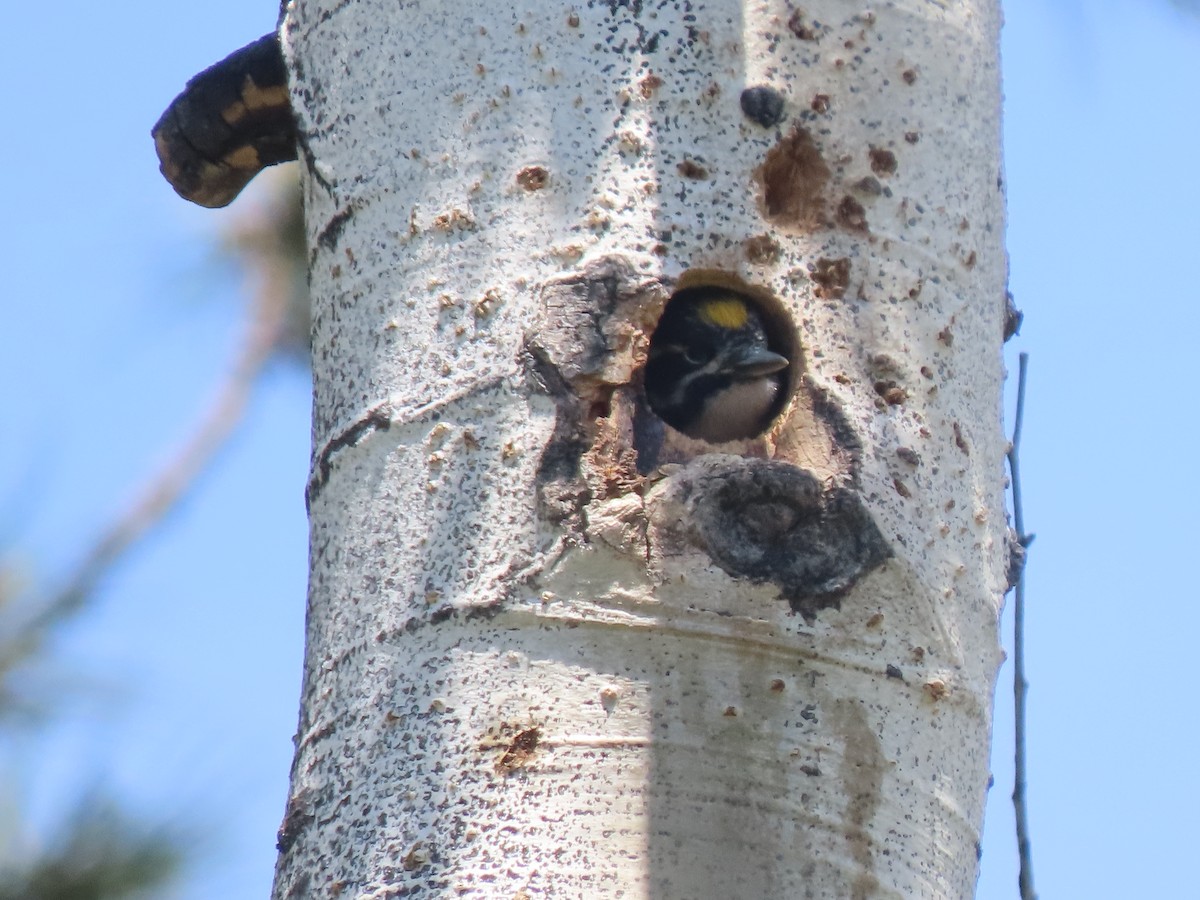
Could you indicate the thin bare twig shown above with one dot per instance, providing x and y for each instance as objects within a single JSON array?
[
  {"x": 1020, "y": 685},
  {"x": 165, "y": 489},
  {"x": 268, "y": 257}
]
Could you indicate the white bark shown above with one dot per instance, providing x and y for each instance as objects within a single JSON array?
[{"x": 537, "y": 659}]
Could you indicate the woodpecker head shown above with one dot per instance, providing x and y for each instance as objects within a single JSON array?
[{"x": 711, "y": 373}]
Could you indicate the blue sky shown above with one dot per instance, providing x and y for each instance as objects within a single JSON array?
[{"x": 118, "y": 324}]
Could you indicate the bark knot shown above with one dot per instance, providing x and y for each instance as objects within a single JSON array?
[{"x": 773, "y": 522}]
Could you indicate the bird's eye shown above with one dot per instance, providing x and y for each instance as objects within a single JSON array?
[{"x": 697, "y": 354}]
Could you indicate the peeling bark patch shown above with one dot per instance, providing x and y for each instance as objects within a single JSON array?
[
  {"x": 568, "y": 350},
  {"x": 861, "y": 771},
  {"x": 831, "y": 276},
  {"x": 774, "y": 522},
  {"x": 455, "y": 220},
  {"x": 520, "y": 750},
  {"x": 649, "y": 86},
  {"x": 762, "y": 105},
  {"x": 793, "y": 176},
  {"x": 883, "y": 162},
  {"x": 533, "y": 178},
  {"x": 574, "y": 354}
]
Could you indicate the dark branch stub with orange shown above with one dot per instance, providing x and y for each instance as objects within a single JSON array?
[{"x": 230, "y": 122}]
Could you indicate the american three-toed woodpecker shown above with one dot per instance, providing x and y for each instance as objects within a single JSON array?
[{"x": 711, "y": 372}]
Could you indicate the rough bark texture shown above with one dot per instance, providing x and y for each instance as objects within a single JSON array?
[{"x": 555, "y": 647}]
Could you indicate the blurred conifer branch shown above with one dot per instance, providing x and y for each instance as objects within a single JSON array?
[{"x": 100, "y": 853}]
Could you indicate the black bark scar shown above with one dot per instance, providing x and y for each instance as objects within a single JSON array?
[{"x": 376, "y": 419}]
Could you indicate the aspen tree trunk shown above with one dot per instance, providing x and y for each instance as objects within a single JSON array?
[{"x": 555, "y": 648}]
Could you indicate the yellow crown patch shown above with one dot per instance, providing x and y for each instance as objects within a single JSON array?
[{"x": 724, "y": 312}]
